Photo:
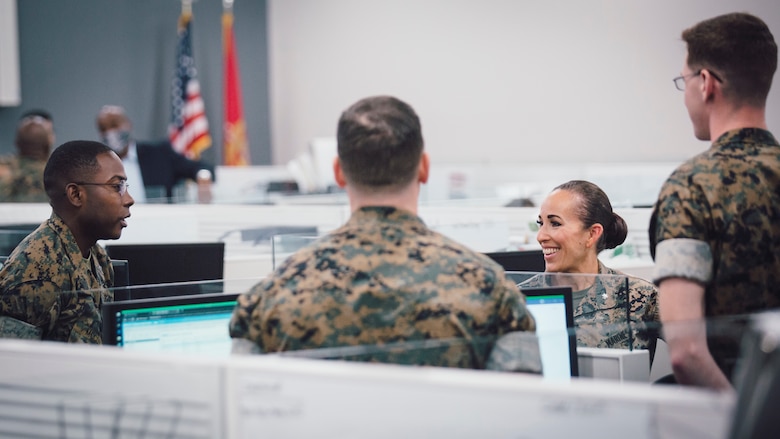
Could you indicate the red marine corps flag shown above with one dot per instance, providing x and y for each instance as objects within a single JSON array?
[
  {"x": 236, "y": 146},
  {"x": 189, "y": 128}
]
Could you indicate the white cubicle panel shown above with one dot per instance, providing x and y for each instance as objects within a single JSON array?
[
  {"x": 78, "y": 391},
  {"x": 56, "y": 390},
  {"x": 24, "y": 213},
  {"x": 293, "y": 398}
]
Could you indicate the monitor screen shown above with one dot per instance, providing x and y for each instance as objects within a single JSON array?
[
  {"x": 552, "y": 309},
  {"x": 182, "y": 324}
]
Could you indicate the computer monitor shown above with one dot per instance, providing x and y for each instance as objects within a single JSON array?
[
  {"x": 195, "y": 324},
  {"x": 522, "y": 260},
  {"x": 171, "y": 262},
  {"x": 554, "y": 314}
]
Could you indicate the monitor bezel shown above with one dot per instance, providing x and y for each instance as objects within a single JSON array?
[{"x": 566, "y": 292}]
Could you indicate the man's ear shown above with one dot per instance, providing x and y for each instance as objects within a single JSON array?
[
  {"x": 708, "y": 85},
  {"x": 425, "y": 167},
  {"x": 338, "y": 173},
  {"x": 74, "y": 194}
]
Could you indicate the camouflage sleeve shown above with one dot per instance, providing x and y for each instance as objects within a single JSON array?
[
  {"x": 80, "y": 312},
  {"x": 33, "y": 302},
  {"x": 516, "y": 352},
  {"x": 242, "y": 325},
  {"x": 512, "y": 312},
  {"x": 679, "y": 229},
  {"x": 64, "y": 316},
  {"x": 517, "y": 348},
  {"x": 15, "y": 328},
  {"x": 643, "y": 308},
  {"x": 682, "y": 257},
  {"x": 682, "y": 208}
]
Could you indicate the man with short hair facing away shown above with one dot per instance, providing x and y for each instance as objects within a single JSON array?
[
  {"x": 715, "y": 229},
  {"x": 384, "y": 278},
  {"x": 55, "y": 281}
]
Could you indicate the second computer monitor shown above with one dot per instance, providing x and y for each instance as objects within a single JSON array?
[
  {"x": 521, "y": 260},
  {"x": 554, "y": 315},
  {"x": 172, "y": 262},
  {"x": 182, "y": 324}
]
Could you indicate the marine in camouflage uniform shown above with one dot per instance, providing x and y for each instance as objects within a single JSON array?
[
  {"x": 384, "y": 278},
  {"x": 615, "y": 311},
  {"x": 49, "y": 291},
  {"x": 717, "y": 221},
  {"x": 21, "y": 180}
]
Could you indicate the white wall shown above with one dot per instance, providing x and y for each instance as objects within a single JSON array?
[
  {"x": 496, "y": 81},
  {"x": 10, "y": 87}
]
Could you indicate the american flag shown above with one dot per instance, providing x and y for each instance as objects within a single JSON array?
[{"x": 189, "y": 128}]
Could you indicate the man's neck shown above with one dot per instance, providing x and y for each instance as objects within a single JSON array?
[
  {"x": 405, "y": 199},
  {"x": 730, "y": 118},
  {"x": 84, "y": 243}
]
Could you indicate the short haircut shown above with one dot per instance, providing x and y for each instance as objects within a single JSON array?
[
  {"x": 36, "y": 112},
  {"x": 740, "y": 49},
  {"x": 72, "y": 161},
  {"x": 380, "y": 143},
  {"x": 33, "y": 137},
  {"x": 596, "y": 208}
]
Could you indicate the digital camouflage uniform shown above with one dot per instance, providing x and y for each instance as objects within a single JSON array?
[
  {"x": 717, "y": 221},
  {"x": 613, "y": 302},
  {"x": 385, "y": 278},
  {"x": 21, "y": 180},
  {"x": 48, "y": 288}
]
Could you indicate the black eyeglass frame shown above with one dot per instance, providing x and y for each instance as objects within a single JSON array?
[
  {"x": 120, "y": 188},
  {"x": 691, "y": 75}
]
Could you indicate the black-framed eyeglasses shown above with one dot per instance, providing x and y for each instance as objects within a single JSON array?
[
  {"x": 120, "y": 188},
  {"x": 679, "y": 82}
]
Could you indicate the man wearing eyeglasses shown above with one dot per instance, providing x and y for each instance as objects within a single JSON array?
[
  {"x": 55, "y": 281},
  {"x": 715, "y": 229}
]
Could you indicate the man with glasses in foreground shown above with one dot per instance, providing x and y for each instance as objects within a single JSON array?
[
  {"x": 715, "y": 229},
  {"x": 54, "y": 283}
]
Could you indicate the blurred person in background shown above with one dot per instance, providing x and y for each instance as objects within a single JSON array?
[{"x": 21, "y": 174}]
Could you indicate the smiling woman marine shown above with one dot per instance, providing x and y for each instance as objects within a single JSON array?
[{"x": 576, "y": 222}]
